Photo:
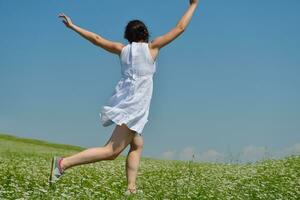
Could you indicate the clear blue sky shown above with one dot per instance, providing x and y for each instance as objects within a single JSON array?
[{"x": 229, "y": 83}]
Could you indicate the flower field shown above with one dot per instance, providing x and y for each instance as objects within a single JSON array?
[{"x": 25, "y": 165}]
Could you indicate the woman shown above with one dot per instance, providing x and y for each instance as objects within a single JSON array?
[{"x": 128, "y": 107}]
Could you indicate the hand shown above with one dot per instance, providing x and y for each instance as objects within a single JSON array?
[
  {"x": 66, "y": 20},
  {"x": 192, "y": 2}
]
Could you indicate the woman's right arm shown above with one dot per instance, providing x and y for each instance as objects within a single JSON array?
[
  {"x": 112, "y": 47},
  {"x": 180, "y": 27}
]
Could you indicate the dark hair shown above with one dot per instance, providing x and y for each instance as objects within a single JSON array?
[{"x": 136, "y": 31}]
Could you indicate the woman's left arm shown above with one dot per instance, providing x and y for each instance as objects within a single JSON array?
[{"x": 113, "y": 47}]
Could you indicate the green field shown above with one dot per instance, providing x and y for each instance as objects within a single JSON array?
[{"x": 25, "y": 164}]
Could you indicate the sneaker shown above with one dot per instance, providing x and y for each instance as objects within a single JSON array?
[{"x": 56, "y": 171}]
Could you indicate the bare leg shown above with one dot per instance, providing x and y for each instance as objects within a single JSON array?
[
  {"x": 133, "y": 160},
  {"x": 119, "y": 140}
]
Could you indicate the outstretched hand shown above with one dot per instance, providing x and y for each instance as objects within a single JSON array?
[
  {"x": 194, "y": 2},
  {"x": 66, "y": 20}
]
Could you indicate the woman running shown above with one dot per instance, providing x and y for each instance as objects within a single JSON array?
[{"x": 128, "y": 106}]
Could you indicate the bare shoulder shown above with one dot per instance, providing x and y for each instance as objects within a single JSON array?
[{"x": 153, "y": 50}]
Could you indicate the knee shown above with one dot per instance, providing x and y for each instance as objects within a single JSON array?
[
  {"x": 111, "y": 154},
  {"x": 137, "y": 145}
]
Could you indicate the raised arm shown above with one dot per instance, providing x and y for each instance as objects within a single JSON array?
[
  {"x": 180, "y": 27},
  {"x": 113, "y": 47}
]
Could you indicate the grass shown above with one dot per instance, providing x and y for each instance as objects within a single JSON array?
[{"x": 25, "y": 165}]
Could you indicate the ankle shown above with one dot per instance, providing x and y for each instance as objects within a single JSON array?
[
  {"x": 131, "y": 187},
  {"x": 62, "y": 164}
]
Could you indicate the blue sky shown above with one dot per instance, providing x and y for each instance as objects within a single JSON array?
[{"x": 230, "y": 83}]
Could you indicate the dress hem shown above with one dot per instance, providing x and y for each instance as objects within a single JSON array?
[{"x": 118, "y": 123}]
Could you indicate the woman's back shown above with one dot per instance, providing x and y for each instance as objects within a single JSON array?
[
  {"x": 136, "y": 60},
  {"x": 131, "y": 99}
]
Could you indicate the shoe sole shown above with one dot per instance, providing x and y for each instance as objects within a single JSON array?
[{"x": 51, "y": 172}]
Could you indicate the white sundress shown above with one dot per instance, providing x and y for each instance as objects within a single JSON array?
[{"x": 130, "y": 101}]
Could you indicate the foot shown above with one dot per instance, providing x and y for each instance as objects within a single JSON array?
[
  {"x": 130, "y": 191},
  {"x": 56, "y": 170}
]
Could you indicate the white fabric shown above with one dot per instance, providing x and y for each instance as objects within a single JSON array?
[{"x": 131, "y": 99}]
